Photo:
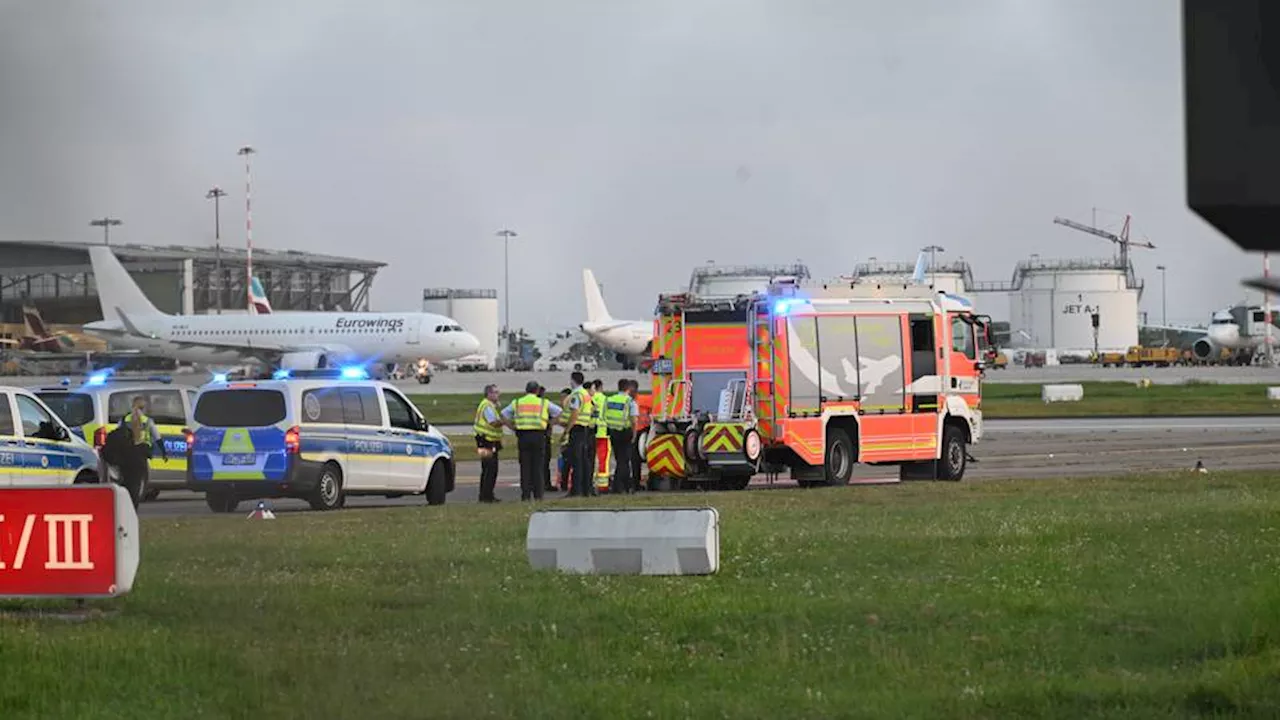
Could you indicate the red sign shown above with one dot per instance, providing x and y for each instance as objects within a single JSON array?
[{"x": 67, "y": 541}]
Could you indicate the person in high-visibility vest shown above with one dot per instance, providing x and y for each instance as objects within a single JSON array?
[
  {"x": 529, "y": 416},
  {"x": 546, "y": 451},
  {"x": 600, "y": 448},
  {"x": 565, "y": 449},
  {"x": 620, "y": 414},
  {"x": 581, "y": 435},
  {"x": 488, "y": 430},
  {"x": 637, "y": 460}
]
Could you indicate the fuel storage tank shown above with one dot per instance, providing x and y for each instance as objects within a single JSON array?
[{"x": 1053, "y": 304}]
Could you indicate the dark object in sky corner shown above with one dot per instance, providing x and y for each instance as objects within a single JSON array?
[{"x": 1231, "y": 76}]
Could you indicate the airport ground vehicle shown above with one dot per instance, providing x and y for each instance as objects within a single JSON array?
[
  {"x": 92, "y": 408},
  {"x": 422, "y": 371},
  {"x": 317, "y": 435},
  {"x": 815, "y": 378},
  {"x": 37, "y": 447}
]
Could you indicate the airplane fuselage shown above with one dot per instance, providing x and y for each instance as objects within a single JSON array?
[
  {"x": 624, "y": 338},
  {"x": 340, "y": 337}
]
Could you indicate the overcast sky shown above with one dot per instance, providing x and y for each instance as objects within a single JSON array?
[{"x": 637, "y": 138}]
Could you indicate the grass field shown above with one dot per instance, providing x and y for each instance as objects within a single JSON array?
[
  {"x": 1016, "y": 400},
  {"x": 1149, "y": 597}
]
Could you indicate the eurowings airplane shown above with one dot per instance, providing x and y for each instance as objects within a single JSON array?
[
  {"x": 629, "y": 339},
  {"x": 258, "y": 302},
  {"x": 289, "y": 340}
]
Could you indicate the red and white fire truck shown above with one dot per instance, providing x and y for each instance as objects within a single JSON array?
[{"x": 814, "y": 378}]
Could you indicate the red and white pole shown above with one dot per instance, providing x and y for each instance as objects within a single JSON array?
[{"x": 246, "y": 151}]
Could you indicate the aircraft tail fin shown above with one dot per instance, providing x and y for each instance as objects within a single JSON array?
[
  {"x": 117, "y": 291},
  {"x": 917, "y": 277},
  {"x": 597, "y": 312},
  {"x": 260, "y": 305}
]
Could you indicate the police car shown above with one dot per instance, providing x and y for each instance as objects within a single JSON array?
[
  {"x": 95, "y": 406},
  {"x": 317, "y": 435},
  {"x": 37, "y": 447}
]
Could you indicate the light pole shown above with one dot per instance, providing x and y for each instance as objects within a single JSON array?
[
  {"x": 1164, "y": 306},
  {"x": 216, "y": 193},
  {"x": 506, "y": 236},
  {"x": 246, "y": 151},
  {"x": 933, "y": 251},
  {"x": 105, "y": 223}
]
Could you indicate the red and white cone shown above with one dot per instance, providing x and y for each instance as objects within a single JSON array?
[{"x": 262, "y": 512}]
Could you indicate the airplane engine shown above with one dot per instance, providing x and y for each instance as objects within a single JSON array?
[
  {"x": 1205, "y": 349},
  {"x": 304, "y": 361}
]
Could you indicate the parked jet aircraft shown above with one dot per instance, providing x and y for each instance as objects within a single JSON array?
[
  {"x": 290, "y": 340},
  {"x": 629, "y": 339}
]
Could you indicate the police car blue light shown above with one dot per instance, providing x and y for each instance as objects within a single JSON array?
[
  {"x": 219, "y": 377},
  {"x": 281, "y": 374},
  {"x": 354, "y": 373},
  {"x": 96, "y": 379}
]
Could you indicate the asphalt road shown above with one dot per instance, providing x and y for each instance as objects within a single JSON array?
[{"x": 1033, "y": 448}]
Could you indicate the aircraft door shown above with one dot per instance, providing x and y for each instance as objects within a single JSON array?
[{"x": 413, "y": 330}]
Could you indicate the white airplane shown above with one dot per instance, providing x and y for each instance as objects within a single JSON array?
[
  {"x": 286, "y": 340},
  {"x": 1240, "y": 329},
  {"x": 629, "y": 339}
]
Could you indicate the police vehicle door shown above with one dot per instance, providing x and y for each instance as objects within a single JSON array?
[
  {"x": 367, "y": 439},
  {"x": 43, "y": 454},
  {"x": 407, "y": 459},
  {"x": 10, "y": 445}
]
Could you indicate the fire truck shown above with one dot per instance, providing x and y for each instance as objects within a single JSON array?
[{"x": 813, "y": 378}]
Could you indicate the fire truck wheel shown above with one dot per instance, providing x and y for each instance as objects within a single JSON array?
[
  {"x": 839, "y": 462},
  {"x": 751, "y": 445},
  {"x": 951, "y": 465},
  {"x": 691, "y": 444}
]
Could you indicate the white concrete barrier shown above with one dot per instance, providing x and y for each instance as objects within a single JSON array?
[
  {"x": 641, "y": 541},
  {"x": 1062, "y": 393},
  {"x": 1273, "y": 393}
]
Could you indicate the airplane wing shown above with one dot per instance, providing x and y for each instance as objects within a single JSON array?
[{"x": 1177, "y": 328}]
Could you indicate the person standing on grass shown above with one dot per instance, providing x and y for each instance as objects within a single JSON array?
[
  {"x": 488, "y": 430},
  {"x": 637, "y": 462},
  {"x": 581, "y": 435},
  {"x": 620, "y": 419},
  {"x": 529, "y": 416},
  {"x": 546, "y": 466},
  {"x": 600, "y": 447}
]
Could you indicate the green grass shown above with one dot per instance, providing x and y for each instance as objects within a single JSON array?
[
  {"x": 1141, "y": 597},
  {"x": 1016, "y": 400}
]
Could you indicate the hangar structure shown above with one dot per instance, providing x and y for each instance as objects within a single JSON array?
[{"x": 57, "y": 278}]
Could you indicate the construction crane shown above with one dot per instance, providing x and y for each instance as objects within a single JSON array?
[{"x": 1122, "y": 239}]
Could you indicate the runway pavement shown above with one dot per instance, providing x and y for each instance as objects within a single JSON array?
[{"x": 1033, "y": 448}]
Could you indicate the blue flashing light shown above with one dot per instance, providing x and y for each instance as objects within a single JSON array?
[
  {"x": 780, "y": 307},
  {"x": 65, "y": 382},
  {"x": 96, "y": 379},
  {"x": 219, "y": 377},
  {"x": 354, "y": 373},
  {"x": 281, "y": 374}
]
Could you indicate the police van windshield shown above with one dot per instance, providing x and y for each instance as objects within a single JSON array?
[
  {"x": 240, "y": 408},
  {"x": 75, "y": 409}
]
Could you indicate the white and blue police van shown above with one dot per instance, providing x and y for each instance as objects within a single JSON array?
[
  {"x": 318, "y": 435},
  {"x": 37, "y": 447}
]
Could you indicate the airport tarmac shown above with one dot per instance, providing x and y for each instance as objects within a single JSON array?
[
  {"x": 1034, "y": 448},
  {"x": 446, "y": 382}
]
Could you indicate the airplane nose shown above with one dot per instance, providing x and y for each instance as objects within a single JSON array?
[{"x": 470, "y": 343}]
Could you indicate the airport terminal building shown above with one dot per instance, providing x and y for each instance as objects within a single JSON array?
[{"x": 57, "y": 278}]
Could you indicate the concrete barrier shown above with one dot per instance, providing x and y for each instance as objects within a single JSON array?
[
  {"x": 641, "y": 541},
  {"x": 1062, "y": 393},
  {"x": 1273, "y": 393}
]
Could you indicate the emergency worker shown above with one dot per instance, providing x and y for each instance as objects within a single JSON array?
[
  {"x": 637, "y": 461},
  {"x": 547, "y": 454},
  {"x": 135, "y": 462},
  {"x": 620, "y": 413},
  {"x": 488, "y": 430},
  {"x": 529, "y": 416},
  {"x": 565, "y": 449},
  {"x": 600, "y": 445},
  {"x": 581, "y": 436}
]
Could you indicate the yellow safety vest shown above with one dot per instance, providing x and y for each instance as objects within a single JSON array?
[
  {"x": 617, "y": 411},
  {"x": 139, "y": 438},
  {"x": 482, "y": 426},
  {"x": 531, "y": 413},
  {"x": 597, "y": 409},
  {"x": 586, "y": 410}
]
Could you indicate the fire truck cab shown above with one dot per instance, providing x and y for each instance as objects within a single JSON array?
[{"x": 814, "y": 378}]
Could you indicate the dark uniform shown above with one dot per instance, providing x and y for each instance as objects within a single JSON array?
[
  {"x": 489, "y": 443},
  {"x": 620, "y": 423},
  {"x": 582, "y": 437},
  {"x": 531, "y": 415}
]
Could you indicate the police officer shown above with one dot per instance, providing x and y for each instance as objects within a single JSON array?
[
  {"x": 529, "y": 416},
  {"x": 637, "y": 462},
  {"x": 135, "y": 465},
  {"x": 488, "y": 429},
  {"x": 620, "y": 415},
  {"x": 546, "y": 467},
  {"x": 581, "y": 435}
]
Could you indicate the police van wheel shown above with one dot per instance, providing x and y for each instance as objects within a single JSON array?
[
  {"x": 328, "y": 492},
  {"x": 437, "y": 485},
  {"x": 221, "y": 501},
  {"x": 88, "y": 477}
]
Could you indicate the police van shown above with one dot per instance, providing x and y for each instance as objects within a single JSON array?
[
  {"x": 317, "y": 435},
  {"x": 37, "y": 447},
  {"x": 95, "y": 406}
]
